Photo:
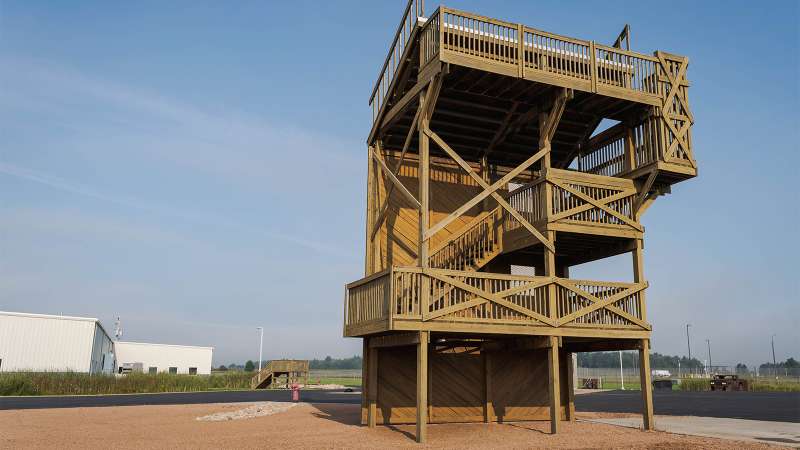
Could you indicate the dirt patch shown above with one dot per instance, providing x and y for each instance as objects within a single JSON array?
[{"x": 306, "y": 426}]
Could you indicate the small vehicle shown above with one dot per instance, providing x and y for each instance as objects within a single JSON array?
[{"x": 728, "y": 383}]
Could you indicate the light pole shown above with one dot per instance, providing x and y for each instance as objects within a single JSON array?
[
  {"x": 260, "y": 347},
  {"x": 774, "y": 363},
  {"x": 621, "y": 376},
  {"x": 688, "y": 342},
  {"x": 708, "y": 342}
]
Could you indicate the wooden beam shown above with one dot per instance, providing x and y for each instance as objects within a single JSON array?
[
  {"x": 408, "y": 195},
  {"x": 571, "y": 362},
  {"x": 394, "y": 340},
  {"x": 488, "y": 408},
  {"x": 485, "y": 193},
  {"x": 553, "y": 384},
  {"x": 372, "y": 392},
  {"x": 385, "y": 208},
  {"x": 464, "y": 165},
  {"x": 648, "y": 422},
  {"x": 422, "y": 387}
]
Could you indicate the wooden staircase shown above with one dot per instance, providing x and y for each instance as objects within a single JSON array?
[
  {"x": 294, "y": 370},
  {"x": 480, "y": 241}
]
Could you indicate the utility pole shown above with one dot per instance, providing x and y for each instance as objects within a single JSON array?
[
  {"x": 708, "y": 342},
  {"x": 260, "y": 347},
  {"x": 774, "y": 363},
  {"x": 688, "y": 342}
]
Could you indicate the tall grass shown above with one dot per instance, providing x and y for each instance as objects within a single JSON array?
[
  {"x": 72, "y": 383},
  {"x": 753, "y": 385}
]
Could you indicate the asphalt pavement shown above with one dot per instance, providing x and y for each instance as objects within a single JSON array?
[
  {"x": 773, "y": 406},
  {"x": 177, "y": 398}
]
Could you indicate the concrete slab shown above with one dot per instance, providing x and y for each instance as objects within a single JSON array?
[{"x": 765, "y": 432}]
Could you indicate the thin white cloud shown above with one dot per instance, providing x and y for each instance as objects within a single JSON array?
[{"x": 74, "y": 188}]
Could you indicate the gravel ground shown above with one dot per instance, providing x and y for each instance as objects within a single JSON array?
[{"x": 331, "y": 425}]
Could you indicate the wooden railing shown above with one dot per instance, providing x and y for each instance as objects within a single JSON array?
[
  {"x": 480, "y": 37},
  {"x": 479, "y": 240},
  {"x": 439, "y": 295},
  {"x": 429, "y": 39},
  {"x": 617, "y": 68},
  {"x": 608, "y": 153},
  {"x": 576, "y": 198},
  {"x": 527, "y": 52},
  {"x": 367, "y": 299},
  {"x": 605, "y": 153},
  {"x": 414, "y": 10}
]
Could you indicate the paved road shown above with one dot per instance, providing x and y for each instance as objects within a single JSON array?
[
  {"x": 774, "y": 406},
  {"x": 180, "y": 398}
]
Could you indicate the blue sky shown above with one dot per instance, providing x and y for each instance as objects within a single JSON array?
[{"x": 199, "y": 168}]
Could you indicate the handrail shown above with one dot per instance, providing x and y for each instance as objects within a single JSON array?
[
  {"x": 404, "y": 30},
  {"x": 537, "y": 54},
  {"x": 414, "y": 293},
  {"x": 480, "y": 239}
]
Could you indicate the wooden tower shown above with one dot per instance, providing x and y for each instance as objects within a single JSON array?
[{"x": 487, "y": 180}]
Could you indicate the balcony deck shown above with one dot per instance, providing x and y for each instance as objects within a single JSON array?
[
  {"x": 516, "y": 50},
  {"x": 413, "y": 298}
]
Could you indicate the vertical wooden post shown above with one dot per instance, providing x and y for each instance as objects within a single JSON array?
[
  {"x": 638, "y": 274},
  {"x": 422, "y": 387},
  {"x": 373, "y": 386},
  {"x": 364, "y": 381},
  {"x": 368, "y": 264},
  {"x": 488, "y": 408},
  {"x": 424, "y": 201},
  {"x": 630, "y": 153},
  {"x": 555, "y": 391},
  {"x": 648, "y": 422}
]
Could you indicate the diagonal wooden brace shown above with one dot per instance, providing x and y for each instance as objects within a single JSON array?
[
  {"x": 485, "y": 193},
  {"x": 597, "y": 204},
  {"x": 408, "y": 195},
  {"x": 443, "y": 145},
  {"x": 494, "y": 298}
]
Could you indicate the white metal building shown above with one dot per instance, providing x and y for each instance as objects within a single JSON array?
[
  {"x": 48, "y": 343},
  {"x": 154, "y": 358}
]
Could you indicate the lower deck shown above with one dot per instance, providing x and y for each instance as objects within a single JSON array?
[{"x": 440, "y": 300}]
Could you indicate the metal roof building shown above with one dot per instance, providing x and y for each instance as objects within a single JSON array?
[
  {"x": 49, "y": 343},
  {"x": 155, "y": 358}
]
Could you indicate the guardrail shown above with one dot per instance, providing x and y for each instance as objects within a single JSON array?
[
  {"x": 431, "y": 295},
  {"x": 414, "y": 10}
]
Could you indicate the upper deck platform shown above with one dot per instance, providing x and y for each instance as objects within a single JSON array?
[{"x": 499, "y": 74}]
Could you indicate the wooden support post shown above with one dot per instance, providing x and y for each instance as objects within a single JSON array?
[
  {"x": 424, "y": 200},
  {"x": 488, "y": 408},
  {"x": 630, "y": 154},
  {"x": 368, "y": 264},
  {"x": 648, "y": 422},
  {"x": 422, "y": 387},
  {"x": 550, "y": 271},
  {"x": 569, "y": 359},
  {"x": 638, "y": 273},
  {"x": 373, "y": 386},
  {"x": 555, "y": 391},
  {"x": 365, "y": 381}
]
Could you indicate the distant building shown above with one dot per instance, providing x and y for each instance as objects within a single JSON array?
[
  {"x": 48, "y": 343},
  {"x": 155, "y": 358}
]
